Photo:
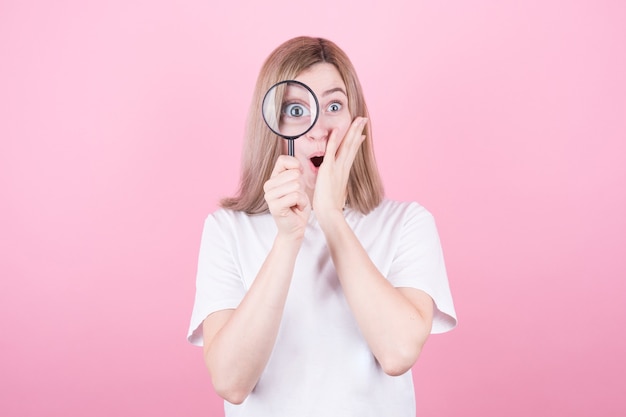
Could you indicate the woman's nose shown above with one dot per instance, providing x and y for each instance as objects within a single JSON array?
[{"x": 318, "y": 131}]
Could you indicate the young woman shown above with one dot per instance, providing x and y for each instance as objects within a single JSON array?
[{"x": 315, "y": 294}]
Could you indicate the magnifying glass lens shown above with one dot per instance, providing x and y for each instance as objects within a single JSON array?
[{"x": 290, "y": 109}]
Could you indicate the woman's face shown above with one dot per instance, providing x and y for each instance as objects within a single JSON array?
[{"x": 334, "y": 114}]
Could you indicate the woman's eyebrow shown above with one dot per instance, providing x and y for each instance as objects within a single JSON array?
[{"x": 334, "y": 90}]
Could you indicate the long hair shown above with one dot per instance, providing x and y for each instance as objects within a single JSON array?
[{"x": 262, "y": 147}]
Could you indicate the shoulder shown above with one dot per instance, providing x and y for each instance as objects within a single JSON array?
[
  {"x": 228, "y": 222},
  {"x": 227, "y": 216},
  {"x": 390, "y": 218},
  {"x": 400, "y": 210}
]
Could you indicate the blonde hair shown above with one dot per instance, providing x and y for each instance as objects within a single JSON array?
[{"x": 262, "y": 147}]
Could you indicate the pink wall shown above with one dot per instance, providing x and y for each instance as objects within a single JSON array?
[{"x": 120, "y": 127}]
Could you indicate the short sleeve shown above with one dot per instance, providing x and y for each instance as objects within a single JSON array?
[
  {"x": 419, "y": 263},
  {"x": 218, "y": 282}
]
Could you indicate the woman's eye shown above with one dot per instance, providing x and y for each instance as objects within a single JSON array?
[
  {"x": 334, "y": 107},
  {"x": 295, "y": 110}
]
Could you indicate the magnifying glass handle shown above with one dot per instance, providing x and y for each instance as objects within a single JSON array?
[{"x": 290, "y": 150}]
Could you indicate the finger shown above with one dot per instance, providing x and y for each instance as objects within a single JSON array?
[
  {"x": 283, "y": 183},
  {"x": 353, "y": 135},
  {"x": 285, "y": 204},
  {"x": 285, "y": 162},
  {"x": 302, "y": 202},
  {"x": 285, "y": 176},
  {"x": 352, "y": 142},
  {"x": 277, "y": 191},
  {"x": 332, "y": 145}
]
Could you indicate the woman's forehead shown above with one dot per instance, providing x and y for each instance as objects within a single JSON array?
[{"x": 323, "y": 79}]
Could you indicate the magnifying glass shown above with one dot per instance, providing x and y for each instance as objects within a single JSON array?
[{"x": 290, "y": 109}]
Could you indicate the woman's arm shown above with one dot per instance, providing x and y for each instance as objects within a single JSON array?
[
  {"x": 238, "y": 343},
  {"x": 394, "y": 321}
]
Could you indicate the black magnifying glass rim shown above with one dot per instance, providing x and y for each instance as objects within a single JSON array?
[{"x": 317, "y": 108}]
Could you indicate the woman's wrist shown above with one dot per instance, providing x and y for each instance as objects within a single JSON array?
[
  {"x": 330, "y": 219},
  {"x": 288, "y": 240}
]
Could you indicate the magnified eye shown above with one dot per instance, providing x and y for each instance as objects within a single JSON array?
[
  {"x": 334, "y": 107},
  {"x": 295, "y": 110}
]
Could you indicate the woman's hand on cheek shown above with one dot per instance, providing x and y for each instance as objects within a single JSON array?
[
  {"x": 286, "y": 198},
  {"x": 332, "y": 177}
]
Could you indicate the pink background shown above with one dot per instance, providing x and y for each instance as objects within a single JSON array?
[{"x": 121, "y": 126}]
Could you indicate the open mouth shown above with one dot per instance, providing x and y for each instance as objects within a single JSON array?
[{"x": 317, "y": 161}]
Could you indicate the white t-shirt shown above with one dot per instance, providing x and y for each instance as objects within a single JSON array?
[{"x": 321, "y": 364}]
